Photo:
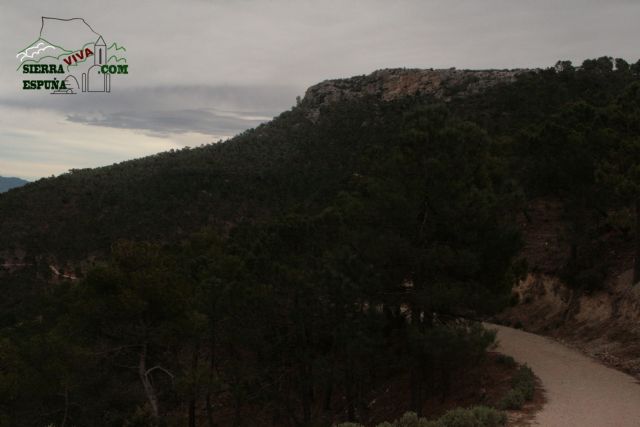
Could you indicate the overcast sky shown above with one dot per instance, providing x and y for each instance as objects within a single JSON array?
[{"x": 202, "y": 70}]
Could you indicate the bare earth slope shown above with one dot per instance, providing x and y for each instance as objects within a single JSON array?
[{"x": 580, "y": 391}]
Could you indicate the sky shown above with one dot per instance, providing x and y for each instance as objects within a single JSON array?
[{"x": 201, "y": 71}]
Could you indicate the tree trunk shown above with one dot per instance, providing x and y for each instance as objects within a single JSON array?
[
  {"x": 212, "y": 366},
  {"x": 149, "y": 390},
  {"x": 237, "y": 418},
  {"x": 66, "y": 406},
  {"x": 574, "y": 254},
  {"x": 328, "y": 394},
  {"x": 307, "y": 394},
  {"x": 194, "y": 395},
  {"x": 446, "y": 384},
  {"x": 415, "y": 314},
  {"x": 192, "y": 412},
  {"x": 416, "y": 399},
  {"x": 636, "y": 264},
  {"x": 350, "y": 392}
]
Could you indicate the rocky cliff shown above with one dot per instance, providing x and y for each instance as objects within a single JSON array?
[
  {"x": 604, "y": 322},
  {"x": 391, "y": 84}
]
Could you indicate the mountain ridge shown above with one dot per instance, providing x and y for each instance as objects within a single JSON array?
[
  {"x": 205, "y": 185},
  {"x": 394, "y": 83},
  {"x": 8, "y": 183}
]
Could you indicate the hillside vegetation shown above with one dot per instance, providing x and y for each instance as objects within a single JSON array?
[{"x": 275, "y": 278}]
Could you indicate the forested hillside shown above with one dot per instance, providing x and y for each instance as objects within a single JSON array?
[{"x": 276, "y": 278}]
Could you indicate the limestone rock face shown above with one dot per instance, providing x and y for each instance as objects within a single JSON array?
[{"x": 390, "y": 84}]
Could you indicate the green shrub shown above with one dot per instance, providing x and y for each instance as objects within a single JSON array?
[
  {"x": 518, "y": 324},
  {"x": 477, "y": 416},
  {"x": 503, "y": 359},
  {"x": 524, "y": 381},
  {"x": 409, "y": 419},
  {"x": 514, "y": 399},
  {"x": 523, "y": 387},
  {"x": 140, "y": 418}
]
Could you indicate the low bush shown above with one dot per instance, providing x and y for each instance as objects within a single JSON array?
[
  {"x": 524, "y": 380},
  {"x": 514, "y": 399},
  {"x": 477, "y": 416},
  {"x": 518, "y": 324},
  {"x": 503, "y": 359},
  {"x": 523, "y": 388}
]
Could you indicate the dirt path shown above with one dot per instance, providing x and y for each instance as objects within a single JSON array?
[{"x": 580, "y": 392}]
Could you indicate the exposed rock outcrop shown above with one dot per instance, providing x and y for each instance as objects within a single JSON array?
[
  {"x": 605, "y": 324},
  {"x": 390, "y": 84}
]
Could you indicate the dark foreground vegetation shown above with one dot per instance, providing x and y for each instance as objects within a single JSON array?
[
  {"x": 273, "y": 279},
  {"x": 478, "y": 416}
]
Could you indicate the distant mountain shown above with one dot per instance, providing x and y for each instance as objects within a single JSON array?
[{"x": 7, "y": 184}]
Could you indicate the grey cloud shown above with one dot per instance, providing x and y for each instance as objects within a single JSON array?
[
  {"x": 208, "y": 122},
  {"x": 257, "y": 98},
  {"x": 162, "y": 110}
]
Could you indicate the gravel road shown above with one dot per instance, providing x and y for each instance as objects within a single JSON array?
[{"x": 580, "y": 392}]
